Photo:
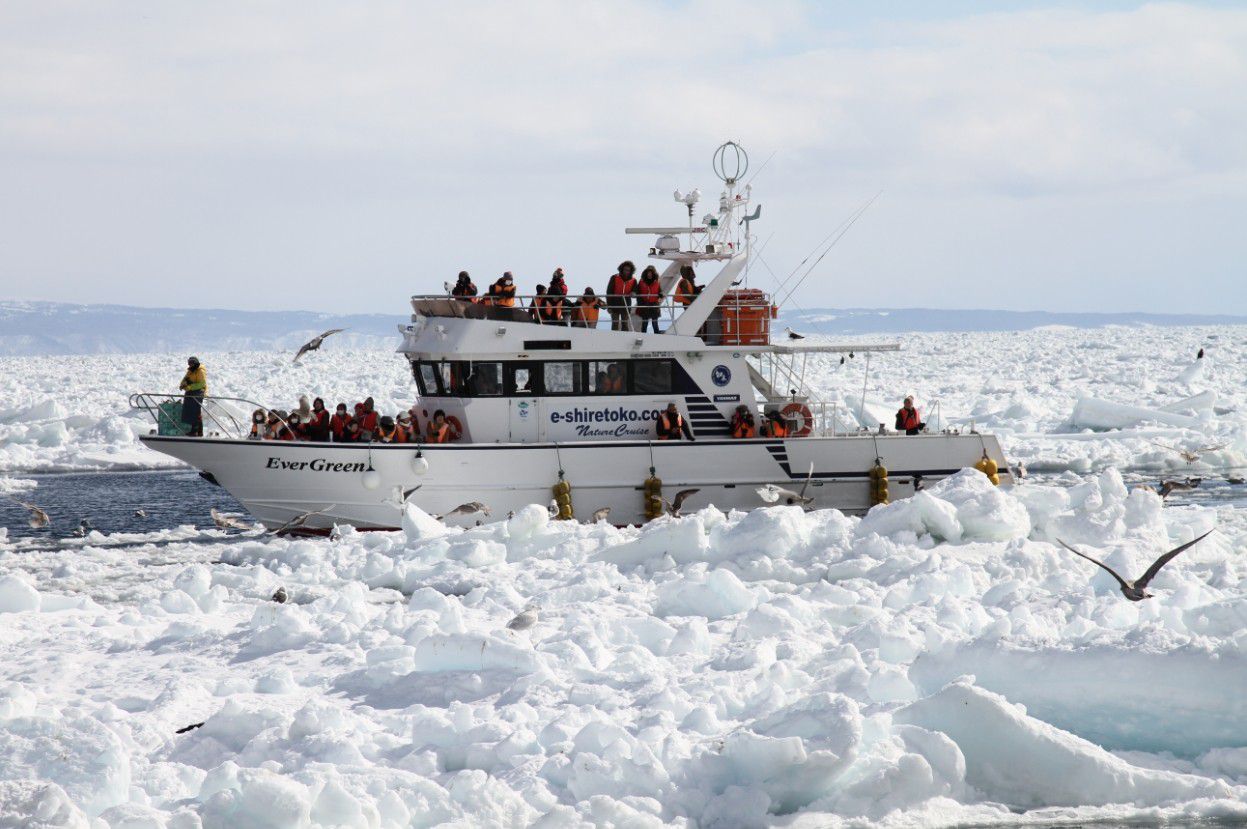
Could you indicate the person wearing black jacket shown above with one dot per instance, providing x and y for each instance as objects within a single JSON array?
[{"x": 465, "y": 288}]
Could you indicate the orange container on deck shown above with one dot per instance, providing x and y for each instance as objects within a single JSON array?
[{"x": 746, "y": 315}]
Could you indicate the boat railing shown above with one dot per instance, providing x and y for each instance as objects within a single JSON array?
[
  {"x": 740, "y": 318},
  {"x": 228, "y": 417}
]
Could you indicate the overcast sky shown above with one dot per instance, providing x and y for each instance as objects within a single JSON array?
[{"x": 342, "y": 156}]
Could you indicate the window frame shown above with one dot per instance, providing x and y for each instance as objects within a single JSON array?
[{"x": 579, "y": 384}]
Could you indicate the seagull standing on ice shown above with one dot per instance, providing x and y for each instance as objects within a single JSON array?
[
  {"x": 1136, "y": 590},
  {"x": 600, "y": 515},
  {"x": 224, "y": 521},
  {"x": 793, "y": 335},
  {"x": 525, "y": 619},
  {"x": 315, "y": 343}
]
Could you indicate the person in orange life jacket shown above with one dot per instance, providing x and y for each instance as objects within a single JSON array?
[
  {"x": 386, "y": 430},
  {"x": 286, "y": 426},
  {"x": 671, "y": 426},
  {"x": 367, "y": 420},
  {"x": 619, "y": 296},
  {"x": 686, "y": 290},
  {"x": 648, "y": 299},
  {"x": 337, "y": 423},
  {"x": 556, "y": 299},
  {"x": 773, "y": 426},
  {"x": 465, "y": 288},
  {"x": 258, "y": 418},
  {"x": 502, "y": 292},
  {"x": 743, "y": 423},
  {"x": 406, "y": 427},
  {"x": 318, "y": 423},
  {"x": 614, "y": 379},
  {"x": 439, "y": 429},
  {"x": 272, "y": 425},
  {"x": 297, "y": 427},
  {"x": 537, "y": 307},
  {"x": 907, "y": 418},
  {"x": 585, "y": 311}
]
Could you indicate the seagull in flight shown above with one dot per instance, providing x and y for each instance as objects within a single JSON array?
[
  {"x": 1136, "y": 591},
  {"x": 772, "y": 493},
  {"x": 1189, "y": 455},
  {"x": 673, "y": 507},
  {"x": 38, "y": 518},
  {"x": 470, "y": 508},
  {"x": 1167, "y": 487},
  {"x": 315, "y": 343},
  {"x": 398, "y": 496}
]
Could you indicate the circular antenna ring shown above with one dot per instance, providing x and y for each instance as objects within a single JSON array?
[{"x": 731, "y": 162}]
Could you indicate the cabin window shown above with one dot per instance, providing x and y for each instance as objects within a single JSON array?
[
  {"x": 607, "y": 377},
  {"x": 521, "y": 381},
  {"x": 562, "y": 378},
  {"x": 651, "y": 377},
  {"x": 426, "y": 379},
  {"x": 483, "y": 379}
]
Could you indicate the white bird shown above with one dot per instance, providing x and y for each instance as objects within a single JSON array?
[
  {"x": 772, "y": 493},
  {"x": 553, "y": 508},
  {"x": 299, "y": 520},
  {"x": 470, "y": 508},
  {"x": 38, "y": 518},
  {"x": 1136, "y": 591},
  {"x": 84, "y": 527},
  {"x": 793, "y": 335},
  {"x": 1189, "y": 455},
  {"x": 315, "y": 343},
  {"x": 449, "y": 288},
  {"x": 225, "y": 521},
  {"x": 140, "y": 513},
  {"x": 600, "y": 515},
  {"x": 398, "y": 496},
  {"x": 525, "y": 619}
]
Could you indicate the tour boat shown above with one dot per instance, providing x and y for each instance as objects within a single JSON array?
[{"x": 533, "y": 421}]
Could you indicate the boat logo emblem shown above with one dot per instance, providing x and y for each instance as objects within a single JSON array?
[{"x": 721, "y": 375}]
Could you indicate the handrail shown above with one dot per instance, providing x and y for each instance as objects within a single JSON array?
[{"x": 150, "y": 402}]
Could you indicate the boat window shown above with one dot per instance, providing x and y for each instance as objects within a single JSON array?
[
  {"x": 651, "y": 377},
  {"x": 520, "y": 380},
  {"x": 483, "y": 379},
  {"x": 451, "y": 377},
  {"x": 563, "y": 378},
  {"x": 606, "y": 377},
  {"x": 427, "y": 379}
]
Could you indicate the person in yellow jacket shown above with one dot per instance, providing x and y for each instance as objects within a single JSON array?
[{"x": 195, "y": 386}]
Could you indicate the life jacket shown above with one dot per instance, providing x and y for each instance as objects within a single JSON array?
[
  {"x": 467, "y": 292},
  {"x": 684, "y": 292},
  {"x": 196, "y": 379},
  {"x": 742, "y": 428},
  {"x": 670, "y": 427},
  {"x": 285, "y": 434},
  {"x": 368, "y": 421},
  {"x": 774, "y": 429},
  {"x": 337, "y": 425},
  {"x": 502, "y": 295},
  {"x": 550, "y": 307},
  {"x": 318, "y": 426},
  {"x": 648, "y": 293},
  {"x": 439, "y": 434},
  {"x": 907, "y": 419},
  {"x": 557, "y": 288},
  {"x": 619, "y": 289},
  {"x": 257, "y": 431},
  {"x": 587, "y": 314},
  {"x": 383, "y": 436},
  {"x": 401, "y": 434}
]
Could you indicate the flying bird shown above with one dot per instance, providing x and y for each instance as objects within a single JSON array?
[
  {"x": 281, "y": 595},
  {"x": 525, "y": 619},
  {"x": 1136, "y": 591},
  {"x": 225, "y": 521},
  {"x": 190, "y": 727},
  {"x": 600, "y": 515},
  {"x": 772, "y": 493},
  {"x": 315, "y": 343},
  {"x": 1189, "y": 455},
  {"x": 793, "y": 335},
  {"x": 398, "y": 496},
  {"x": 299, "y": 520},
  {"x": 140, "y": 513},
  {"x": 470, "y": 508},
  {"x": 673, "y": 507},
  {"x": 38, "y": 518}
]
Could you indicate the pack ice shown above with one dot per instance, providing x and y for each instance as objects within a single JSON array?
[{"x": 939, "y": 661}]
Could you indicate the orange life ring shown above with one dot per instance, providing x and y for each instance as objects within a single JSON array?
[
  {"x": 456, "y": 428},
  {"x": 792, "y": 412}
]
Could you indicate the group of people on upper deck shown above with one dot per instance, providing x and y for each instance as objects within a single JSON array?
[{"x": 625, "y": 295}]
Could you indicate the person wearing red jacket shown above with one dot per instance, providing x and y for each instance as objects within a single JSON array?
[
  {"x": 338, "y": 423},
  {"x": 908, "y": 420},
  {"x": 649, "y": 299},
  {"x": 619, "y": 296},
  {"x": 367, "y": 420},
  {"x": 556, "y": 299},
  {"x": 318, "y": 424}
]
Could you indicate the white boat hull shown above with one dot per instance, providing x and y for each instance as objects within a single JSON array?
[{"x": 276, "y": 481}]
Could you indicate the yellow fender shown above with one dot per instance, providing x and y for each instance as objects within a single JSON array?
[
  {"x": 563, "y": 498},
  {"x": 652, "y": 487},
  {"x": 989, "y": 468},
  {"x": 879, "y": 484}
]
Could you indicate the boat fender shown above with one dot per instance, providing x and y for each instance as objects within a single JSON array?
[
  {"x": 420, "y": 464},
  {"x": 653, "y": 496},
  {"x": 371, "y": 479},
  {"x": 563, "y": 498},
  {"x": 989, "y": 468},
  {"x": 879, "y": 484},
  {"x": 803, "y": 417}
]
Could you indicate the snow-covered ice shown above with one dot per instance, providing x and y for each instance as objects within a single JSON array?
[{"x": 938, "y": 661}]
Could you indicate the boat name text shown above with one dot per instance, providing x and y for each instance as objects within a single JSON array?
[{"x": 316, "y": 465}]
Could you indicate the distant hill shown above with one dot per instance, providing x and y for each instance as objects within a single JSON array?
[
  {"x": 902, "y": 320},
  {"x": 39, "y": 328}
]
